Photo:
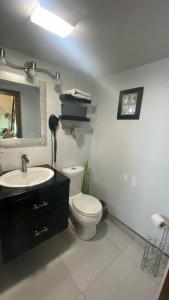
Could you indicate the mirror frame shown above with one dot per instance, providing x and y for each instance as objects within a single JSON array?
[{"x": 28, "y": 142}]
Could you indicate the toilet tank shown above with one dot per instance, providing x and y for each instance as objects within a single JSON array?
[{"x": 75, "y": 174}]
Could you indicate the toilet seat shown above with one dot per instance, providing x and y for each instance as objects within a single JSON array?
[{"x": 86, "y": 205}]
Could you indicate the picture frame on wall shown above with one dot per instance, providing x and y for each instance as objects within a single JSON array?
[{"x": 130, "y": 104}]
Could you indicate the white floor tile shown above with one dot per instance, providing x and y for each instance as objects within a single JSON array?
[
  {"x": 50, "y": 283},
  {"x": 121, "y": 281},
  {"x": 107, "y": 267},
  {"x": 26, "y": 264},
  {"x": 81, "y": 297},
  {"x": 85, "y": 260},
  {"x": 139, "y": 286},
  {"x": 117, "y": 236},
  {"x": 135, "y": 253},
  {"x": 65, "y": 243}
]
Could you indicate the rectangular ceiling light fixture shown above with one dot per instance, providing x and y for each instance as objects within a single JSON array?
[{"x": 50, "y": 21}]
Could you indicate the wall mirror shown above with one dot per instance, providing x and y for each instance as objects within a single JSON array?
[{"x": 22, "y": 111}]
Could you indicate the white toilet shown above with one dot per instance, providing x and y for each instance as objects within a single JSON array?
[{"x": 85, "y": 210}]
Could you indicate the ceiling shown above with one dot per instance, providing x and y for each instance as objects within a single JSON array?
[{"x": 112, "y": 35}]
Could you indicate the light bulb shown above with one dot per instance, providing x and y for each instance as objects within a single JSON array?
[
  {"x": 2, "y": 57},
  {"x": 32, "y": 72},
  {"x": 58, "y": 81}
]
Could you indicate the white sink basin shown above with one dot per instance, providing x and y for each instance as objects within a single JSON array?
[{"x": 33, "y": 176}]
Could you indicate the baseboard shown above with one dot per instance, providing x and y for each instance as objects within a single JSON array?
[{"x": 129, "y": 231}]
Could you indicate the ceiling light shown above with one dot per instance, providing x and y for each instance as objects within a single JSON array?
[{"x": 50, "y": 21}]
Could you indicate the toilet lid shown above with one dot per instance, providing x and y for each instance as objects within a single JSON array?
[{"x": 86, "y": 204}]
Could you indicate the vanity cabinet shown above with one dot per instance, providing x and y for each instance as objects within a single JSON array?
[{"x": 29, "y": 217}]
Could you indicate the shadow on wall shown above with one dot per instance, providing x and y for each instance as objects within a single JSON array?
[
  {"x": 101, "y": 190},
  {"x": 101, "y": 231},
  {"x": 69, "y": 126}
]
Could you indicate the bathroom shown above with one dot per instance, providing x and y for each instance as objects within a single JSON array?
[{"x": 114, "y": 47}]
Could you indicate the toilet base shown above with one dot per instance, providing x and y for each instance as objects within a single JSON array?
[
  {"x": 84, "y": 227},
  {"x": 86, "y": 233}
]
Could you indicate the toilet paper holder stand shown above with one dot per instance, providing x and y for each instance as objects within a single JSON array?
[{"x": 154, "y": 253}]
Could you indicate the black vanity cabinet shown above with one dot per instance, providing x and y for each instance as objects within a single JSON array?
[{"x": 30, "y": 216}]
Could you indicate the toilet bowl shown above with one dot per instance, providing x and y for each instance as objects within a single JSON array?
[
  {"x": 85, "y": 210},
  {"x": 86, "y": 213}
]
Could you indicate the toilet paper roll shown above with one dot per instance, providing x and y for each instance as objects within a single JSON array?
[{"x": 158, "y": 221}]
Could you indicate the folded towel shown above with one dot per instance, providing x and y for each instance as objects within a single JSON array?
[{"x": 78, "y": 94}]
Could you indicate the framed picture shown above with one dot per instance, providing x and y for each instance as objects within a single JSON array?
[{"x": 130, "y": 104}]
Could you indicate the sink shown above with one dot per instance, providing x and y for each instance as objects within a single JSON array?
[{"x": 32, "y": 177}]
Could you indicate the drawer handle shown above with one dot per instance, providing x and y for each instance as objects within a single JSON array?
[
  {"x": 43, "y": 204},
  {"x": 39, "y": 232}
]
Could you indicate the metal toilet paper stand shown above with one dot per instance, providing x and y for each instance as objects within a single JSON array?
[{"x": 154, "y": 252}]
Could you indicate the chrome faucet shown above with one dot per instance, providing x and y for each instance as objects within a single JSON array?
[{"x": 24, "y": 161}]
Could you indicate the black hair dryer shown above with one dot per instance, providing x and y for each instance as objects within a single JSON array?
[{"x": 53, "y": 124}]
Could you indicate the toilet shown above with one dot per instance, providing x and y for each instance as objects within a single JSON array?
[{"x": 85, "y": 210}]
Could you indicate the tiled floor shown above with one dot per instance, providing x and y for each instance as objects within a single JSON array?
[{"x": 67, "y": 268}]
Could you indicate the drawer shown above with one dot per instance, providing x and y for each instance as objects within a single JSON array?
[
  {"x": 17, "y": 239},
  {"x": 40, "y": 230},
  {"x": 56, "y": 196},
  {"x": 45, "y": 226},
  {"x": 36, "y": 204}
]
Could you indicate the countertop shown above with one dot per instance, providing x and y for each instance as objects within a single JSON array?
[{"x": 13, "y": 193}]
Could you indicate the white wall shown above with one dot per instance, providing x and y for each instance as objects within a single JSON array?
[
  {"x": 69, "y": 151},
  {"x": 130, "y": 158}
]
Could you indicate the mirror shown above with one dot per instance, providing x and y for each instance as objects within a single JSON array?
[{"x": 22, "y": 111}]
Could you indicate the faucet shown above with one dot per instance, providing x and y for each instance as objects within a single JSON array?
[{"x": 24, "y": 161}]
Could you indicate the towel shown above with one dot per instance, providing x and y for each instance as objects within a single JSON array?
[{"x": 79, "y": 94}]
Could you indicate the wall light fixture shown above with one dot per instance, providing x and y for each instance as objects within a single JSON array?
[{"x": 30, "y": 68}]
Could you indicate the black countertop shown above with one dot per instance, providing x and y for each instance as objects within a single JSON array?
[{"x": 13, "y": 193}]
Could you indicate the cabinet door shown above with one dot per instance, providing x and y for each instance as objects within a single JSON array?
[
  {"x": 14, "y": 241},
  {"x": 19, "y": 238}
]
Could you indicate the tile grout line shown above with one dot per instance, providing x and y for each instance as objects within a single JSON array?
[
  {"x": 147, "y": 274},
  {"x": 112, "y": 262},
  {"x": 61, "y": 259},
  {"x": 84, "y": 296},
  {"x": 118, "y": 246},
  {"x": 72, "y": 278},
  {"x": 106, "y": 267}
]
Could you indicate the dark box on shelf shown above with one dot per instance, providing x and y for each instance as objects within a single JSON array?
[{"x": 71, "y": 109}]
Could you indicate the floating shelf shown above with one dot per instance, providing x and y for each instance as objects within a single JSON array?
[
  {"x": 65, "y": 98},
  {"x": 74, "y": 118}
]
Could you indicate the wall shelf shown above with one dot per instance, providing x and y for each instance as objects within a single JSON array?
[
  {"x": 66, "y": 98},
  {"x": 74, "y": 118}
]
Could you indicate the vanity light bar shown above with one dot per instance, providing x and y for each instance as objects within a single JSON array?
[
  {"x": 50, "y": 21},
  {"x": 30, "y": 68}
]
